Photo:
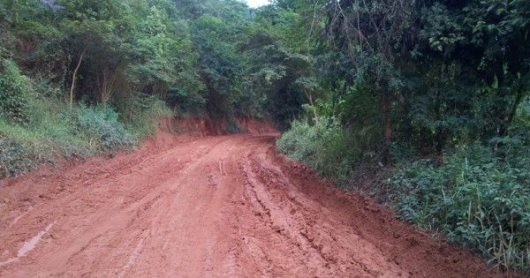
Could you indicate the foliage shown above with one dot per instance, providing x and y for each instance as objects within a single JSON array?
[
  {"x": 141, "y": 113},
  {"x": 327, "y": 147},
  {"x": 18, "y": 150},
  {"x": 439, "y": 80},
  {"x": 100, "y": 124},
  {"x": 187, "y": 53},
  {"x": 379, "y": 82},
  {"x": 52, "y": 130},
  {"x": 475, "y": 197},
  {"x": 13, "y": 102},
  {"x": 281, "y": 77},
  {"x": 118, "y": 64}
]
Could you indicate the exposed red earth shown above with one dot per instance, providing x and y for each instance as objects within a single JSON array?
[{"x": 218, "y": 206}]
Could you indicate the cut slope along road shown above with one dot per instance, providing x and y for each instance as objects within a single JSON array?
[{"x": 225, "y": 206}]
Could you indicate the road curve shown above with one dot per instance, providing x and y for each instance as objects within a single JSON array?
[{"x": 226, "y": 206}]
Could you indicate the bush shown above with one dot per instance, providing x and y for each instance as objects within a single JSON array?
[
  {"x": 141, "y": 113},
  {"x": 327, "y": 147},
  {"x": 15, "y": 156},
  {"x": 13, "y": 101},
  {"x": 22, "y": 149},
  {"x": 477, "y": 197},
  {"x": 50, "y": 129},
  {"x": 101, "y": 125}
]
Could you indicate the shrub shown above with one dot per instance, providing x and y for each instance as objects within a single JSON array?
[
  {"x": 141, "y": 113},
  {"x": 100, "y": 125},
  {"x": 13, "y": 101},
  {"x": 477, "y": 197},
  {"x": 327, "y": 147},
  {"x": 20, "y": 149},
  {"x": 15, "y": 157},
  {"x": 43, "y": 127}
]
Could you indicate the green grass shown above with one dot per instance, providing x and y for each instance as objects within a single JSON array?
[
  {"x": 479, "y": 196},
  {"x": 327, "y": 147},
  {"x": 37, "y": 126}
]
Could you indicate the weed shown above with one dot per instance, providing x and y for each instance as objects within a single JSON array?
[{"x": 476, "y": 198}]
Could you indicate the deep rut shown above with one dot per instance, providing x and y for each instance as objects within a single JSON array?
[{"x": 210, "y": 207}]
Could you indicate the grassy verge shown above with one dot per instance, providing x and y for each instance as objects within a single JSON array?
[
  {"x": 478, "y": 196},
  {"x": 37, "y": 125},
  {"x": 328, "y": 148}
]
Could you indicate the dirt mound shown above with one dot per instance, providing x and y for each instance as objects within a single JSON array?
[
  {"x": 201, "y": 126},
  {"x": 225, "y": 206}
]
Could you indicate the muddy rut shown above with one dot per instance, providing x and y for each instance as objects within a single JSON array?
[{"x": 226, "y": 206}]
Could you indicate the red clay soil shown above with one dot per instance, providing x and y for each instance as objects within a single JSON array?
[
  {"x": 207, "y": 126},
  {"x": 225, "y": 206}
]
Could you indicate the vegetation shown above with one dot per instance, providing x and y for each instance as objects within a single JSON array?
[
  {"x": 474, "y": 197},
  {"x": 79, "y": 77},
  {"x": 37, "y": 127},
  {"x": 429, "y": 98},
  {"x": 434, "y": 95}
]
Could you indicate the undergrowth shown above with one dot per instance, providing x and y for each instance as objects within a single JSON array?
[
  {"x": 37, "y": 126},
  {"x": 141, "y": 113},
  {"x": 478, "y": 195},
  {"x": 327, "y": 147}
]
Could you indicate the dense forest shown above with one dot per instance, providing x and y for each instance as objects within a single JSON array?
[{"x": 422, "y": 104}]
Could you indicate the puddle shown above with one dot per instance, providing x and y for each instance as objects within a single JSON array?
[
  {"x": 28, "y": 245},
  {"x": 32, "y": 243}
]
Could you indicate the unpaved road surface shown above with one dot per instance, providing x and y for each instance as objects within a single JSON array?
[{"x": 225, "y": 206}]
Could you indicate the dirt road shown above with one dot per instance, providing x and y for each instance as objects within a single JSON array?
[{"x": 225, "y": 206}]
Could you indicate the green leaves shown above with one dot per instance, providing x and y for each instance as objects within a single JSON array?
[
  {"x": 100, "y": 124},
  {"x": 329, "y": 149},
  {"x": 474, "y": 197},
  {"x": 442, "y": 29},
  {"x": 13, "y": 86},
  {"x": 446, "y": 80}
]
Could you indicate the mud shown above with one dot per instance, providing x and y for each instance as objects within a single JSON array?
[
  {"x": 204, "y": 126},
  {"x": 225, "y": 206}
]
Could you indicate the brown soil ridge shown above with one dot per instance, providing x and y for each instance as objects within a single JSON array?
[
  {"x": 224, "y": 206},
  {"x": 205, "y": 126}
]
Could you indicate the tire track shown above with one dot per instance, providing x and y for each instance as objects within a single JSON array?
[{"x": 225, "y": 206}]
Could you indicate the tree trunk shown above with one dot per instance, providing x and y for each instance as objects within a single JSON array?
[
  {"x": 313, "y": 108},
  {"x": 108, "y": 84},
  {"x": 440, "y": 134},
  {"x": 74, "y": 77}
]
